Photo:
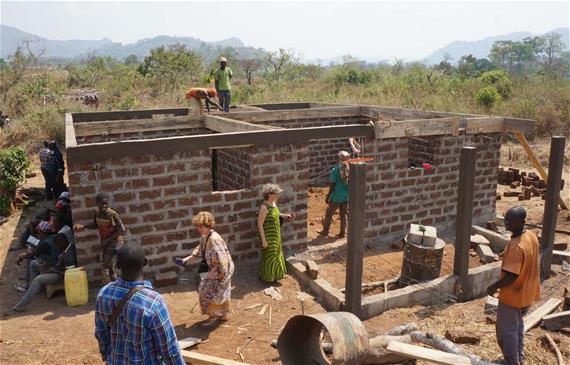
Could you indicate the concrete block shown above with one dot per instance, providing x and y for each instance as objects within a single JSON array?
[
  {"x": 498, "y": 241},
  {"x": 491, "y": 305},
  {"x": 477, "y": 239},
  {"x": 426, "y": 238},
  {"x": 486, "y": 254},
  {"x": 461, "y": 336},
  {"x": 556, "y": 321}
]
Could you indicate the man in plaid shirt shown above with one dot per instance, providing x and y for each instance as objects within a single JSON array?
[{"x": 143, "y": 332}]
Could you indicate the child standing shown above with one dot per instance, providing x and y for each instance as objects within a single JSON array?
[{"x": 111, "y": 232}]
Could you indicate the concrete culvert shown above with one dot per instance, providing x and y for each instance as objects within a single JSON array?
[{"x": 301, "y": 341}]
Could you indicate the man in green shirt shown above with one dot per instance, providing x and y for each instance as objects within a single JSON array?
[
  {"x": 222, "y": 78},
  {"x": 338, "y": 195}
]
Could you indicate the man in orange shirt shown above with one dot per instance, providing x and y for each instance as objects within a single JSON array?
[
  {"x": 195, "y": 96},
  {"x": 519, "y": 286}
]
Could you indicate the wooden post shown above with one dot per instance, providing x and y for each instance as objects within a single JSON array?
[
  {"x": 355, "y": 249},
  {"x": 464, "y": 217},
  {"x": 555, "y": 163}
]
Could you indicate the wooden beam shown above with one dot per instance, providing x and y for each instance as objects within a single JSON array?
[
  {"x": 195, "y": 358},
  {"x": 519, "y": 124},
  {"x": 417, "y": 127},
  {"x": 282, "y": 106},
  {"x": 137, "y": 125},
  {"x": 354, "y": 245},
  {"x": 477, "y": 125},
  {"x": 535, "y": 162},
  {"x": 556, "y": 321},
  {"x": 70, "y": 139},
  {"x": 226, "y": 125},
  {"x": 283, "y": 115},
  {"x": 464, "y": 218},
  {"x": 555, "y": 166},
  {"x": 169, "y": 145},
  {"x": 535, "y": 317},
  {"x": 399, "y": 113},
  {"x": 418, "y": 352},
  {"x": 127, "y": 114}
]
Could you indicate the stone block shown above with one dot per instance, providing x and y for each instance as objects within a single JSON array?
[
  {"x": 491, "y": 305},
  {"x": 477, "y": 239},
  {"x": 486, "y": 254},
  {"x": 498, "y": 241},
  {"x": 426, "y": 238},
  {"x": 460, "y": 336}
]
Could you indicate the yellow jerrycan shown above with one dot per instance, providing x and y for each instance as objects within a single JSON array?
[{"x": 76, "y": 290}]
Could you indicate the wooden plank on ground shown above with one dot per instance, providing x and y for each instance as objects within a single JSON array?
[
  {"x": 195, "y": 358},
  {"x": 556, "y": 321},
  {"x": 137, "y": 125},
  {"x": 226, "y": 125},
  {"x": 536, "y": 163},
  {"x": 418, "y": 352},
  {"x": 535, "y": 317}
]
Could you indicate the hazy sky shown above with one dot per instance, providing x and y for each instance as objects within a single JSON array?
[{"x": 372, "y": 30}]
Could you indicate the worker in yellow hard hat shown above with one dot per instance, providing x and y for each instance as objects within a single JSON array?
[{"x": 195, "y": 96}]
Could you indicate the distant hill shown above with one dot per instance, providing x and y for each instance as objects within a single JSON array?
[
  {"x": 10, "y": 37},
  {"x": 481, "y": 48}
]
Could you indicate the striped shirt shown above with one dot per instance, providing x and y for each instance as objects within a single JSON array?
[
  {"x": 47, "y": 158},
  {"x": 143, "y": 332}
]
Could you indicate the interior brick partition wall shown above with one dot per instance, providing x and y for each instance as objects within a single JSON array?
[
  {"x": 157, "y": 195},
  {"x": 233, "y": 168},
  {"x": 398, "y": 196},
  {"x": 143, "y": 135},
  {"x": 322, "y": 152}
]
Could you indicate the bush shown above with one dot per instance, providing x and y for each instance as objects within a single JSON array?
[
  {"x": 5, "y": 206},
  {"x": 487, "y": 97},
  {"x": 500, "y": 80},
  {"x": 13, "y": 168}
]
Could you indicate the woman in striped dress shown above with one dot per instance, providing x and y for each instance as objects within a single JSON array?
[{"x": 272, "y": 266}]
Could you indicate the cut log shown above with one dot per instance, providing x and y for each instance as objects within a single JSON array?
[
  {"x": 535, "y": 317},
  {"x": 498, "y": 241},
  {"x": 195, "y": 358},
  {"x": 438, "y": 357},
  {"x": 402, "y": 329},
  {"x": 556, "y": 321},
  {"x": 312, "y": 269},
  {"x": 459, "y": 336}
]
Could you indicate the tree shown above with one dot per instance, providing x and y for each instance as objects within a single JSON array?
[
  {"x": 552, "y": 46},
  {"x": 445, "y": 67},
  {"x": 397, "y": 67},
  {"x": 249, "y": 67},
  {"x": 173, "y": 66},
  {"x": 276, "y": 63},
  {"x": 131, "y": 60}
]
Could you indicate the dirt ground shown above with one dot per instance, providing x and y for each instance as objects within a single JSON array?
[{"x": 52, "y": 333}]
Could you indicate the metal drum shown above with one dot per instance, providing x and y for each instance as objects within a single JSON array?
[
  {"x": 301, "y": 341},
  {"x": 421, "y": 263}
]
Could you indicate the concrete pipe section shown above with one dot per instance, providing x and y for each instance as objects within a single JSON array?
[{"x": 301, "y": 341}]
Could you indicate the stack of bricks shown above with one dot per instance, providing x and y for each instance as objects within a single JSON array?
[
  {"x": 398, "y": 196},
  {"x": 157, "y": 195}
]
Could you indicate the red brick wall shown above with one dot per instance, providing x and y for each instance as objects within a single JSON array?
[
  {"x": 398, "y": 196},
  {"x": 157, "y": 195},
  {"x": 233, "y": 168}
]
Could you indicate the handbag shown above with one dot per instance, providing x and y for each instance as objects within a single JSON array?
[{"x": 204, "y": 264}]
